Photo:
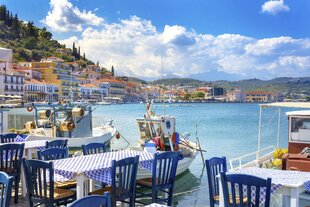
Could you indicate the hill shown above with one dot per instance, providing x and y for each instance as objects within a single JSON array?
[
  {"x": 178, "y": 81},
  {"x": 30, "y": 43}
]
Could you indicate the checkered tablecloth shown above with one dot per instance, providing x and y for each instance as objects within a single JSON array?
[
  {"x": 156, "y": 205},
  {"x": 279, "y": 178},
  {"x": 97, "y": 166}
]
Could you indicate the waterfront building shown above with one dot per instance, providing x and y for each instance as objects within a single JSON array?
[
  {"x": 236, "y": 96},
  {"x": 12, "y": 84},
  {"x": 113, "y": 88},
  {"x": 92, "y": 91},
  {"x": 61, "y": 74},
  {"x": 259, "y": 96},
  {"x": 132, "y": 91},
  {"x": 36, "y": 90}
]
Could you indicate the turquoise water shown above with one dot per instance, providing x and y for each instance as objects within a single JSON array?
[{"x": 227, "y": 129}]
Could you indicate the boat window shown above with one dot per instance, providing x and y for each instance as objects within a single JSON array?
[
  {"x": 168, "y": 125},
  {"x": 300, "y": 129}
]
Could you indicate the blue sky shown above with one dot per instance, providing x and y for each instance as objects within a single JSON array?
[{"x": 206, "y": 39}]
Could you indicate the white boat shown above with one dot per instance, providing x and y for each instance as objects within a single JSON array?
[
  {"x": 103, "y": 103},
  {"x": 67, "y": 122},
  {"x": 157, "y": 134}
]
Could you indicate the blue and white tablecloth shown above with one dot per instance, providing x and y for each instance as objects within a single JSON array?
[
  {"x": 279, "y": 178},
  {"x": 97, "y": 166}
]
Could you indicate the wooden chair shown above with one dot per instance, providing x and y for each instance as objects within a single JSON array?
[
  {"x": 124, "y": 173},
  {"x": 8, "y": 138},
  {"x": 10, "y": 162},
  {"x": 53, "y": 154},
  {"x": 94, "y": 201},
  {"x": 40, "y": 185},
  {"x": 234, "y": 195},
  {"x": 163, "y": 177},
  {"x": 93, "y": 148},
  {"x": 59, "y": 143},
  {"x": 6, "y": 184},
  {"x": 214, "y": 166}
]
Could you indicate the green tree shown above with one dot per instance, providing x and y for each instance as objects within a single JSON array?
[
  {"x": 187, "y": 96},
  {"x": 112, "y": 70},
  {"x": 30, "y": 43},
  {"x": 45, "y": 34},
  {"x": 200, "y": 95},
  {"x": 2, "y": 12}
]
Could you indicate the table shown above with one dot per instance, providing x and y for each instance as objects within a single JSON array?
[
  {"x": 96, "y": 167},
  {"x": 289, "y": 183}
]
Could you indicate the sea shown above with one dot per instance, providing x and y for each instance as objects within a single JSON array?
[{"x": 224, "y": 129}]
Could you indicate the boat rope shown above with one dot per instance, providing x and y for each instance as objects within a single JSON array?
[{"x": 189, "y": 191}]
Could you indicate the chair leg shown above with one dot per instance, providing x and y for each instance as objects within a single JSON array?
[
  {"x": 154, "y": 196},
  {"x": 16, "y": 190}
]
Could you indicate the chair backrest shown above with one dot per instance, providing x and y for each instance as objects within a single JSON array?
[
  {"x": 94, "y": 201},
  {"x": 214, "y": 166},
  {"x": 10, "y": 158},
  {"x": 39, "y": 177},
  {"x": 53, "y": 154},
  {"x": 6, "y": 183},
  {"x": 93, "y": 148},
  {"x": 164, "y": 170},
  {"x": 245, "y": 190},
  {"x": 124, "y": 174},
  {"x": 7, "y": 138},
  {"x": 59, "y": 143}
]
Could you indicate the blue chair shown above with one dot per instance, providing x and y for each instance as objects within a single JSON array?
[
  {"x": 94, "y": 201},
  {"x": 6, "y": 184},
  {"x": 124, "y": 173},
  {"x": 59, "y": 143},
  {"x": 214, "y": 166},
  {"x": 163, "y": 177},
  {"x": 53, "y": 154},
  {"x": 10, "y": 162},
  {"x": 7, "y": 138},
  {"x": 93, "y": 148},
  {"x": 239, "y": 182},
  {"x": 39, "y": 177}
]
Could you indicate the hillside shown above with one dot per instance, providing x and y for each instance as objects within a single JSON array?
[
  {"x": 178, "y": 81},
  {"x": 30, "y": 43}
]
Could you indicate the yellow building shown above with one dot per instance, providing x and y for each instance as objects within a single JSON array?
[
  {"x": 259, "y": 96},
  {"x": 60, "y": 74}
]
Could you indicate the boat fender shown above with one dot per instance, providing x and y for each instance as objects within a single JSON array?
[
  {"x": 159, "y": 142},
  {"x": 117, "y": 135},
  {"x": 29, "y": 108}
]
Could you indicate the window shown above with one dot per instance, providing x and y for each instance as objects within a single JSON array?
[{"x": 168, "y": 125}]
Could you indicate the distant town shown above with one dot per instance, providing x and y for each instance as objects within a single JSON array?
[{"x": 53, "y": 80}]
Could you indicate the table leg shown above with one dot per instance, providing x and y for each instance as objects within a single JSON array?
[
  {"x": 79, "y": 186},
  {"x": 91, "y": 185},
  {"x": 294, "y": 197}
]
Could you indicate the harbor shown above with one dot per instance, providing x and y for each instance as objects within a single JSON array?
[{"x": 220, "y": 128}]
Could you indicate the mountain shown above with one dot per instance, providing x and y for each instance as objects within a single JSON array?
[{"x": 215, "y": 76}]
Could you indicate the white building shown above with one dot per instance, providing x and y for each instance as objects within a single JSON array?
[
  {"x": 92, "y": 91},
  {"x": 36, "y": 90}
]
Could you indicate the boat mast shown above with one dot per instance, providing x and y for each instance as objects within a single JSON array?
[{"x": 162, "y": 77}]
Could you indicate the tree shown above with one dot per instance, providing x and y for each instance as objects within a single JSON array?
[
  {"x": 200, "y": 95},
  {"x": 84, "y": 58},
  {"x": 187, "y": 96},
  {"x": 45, "y": 34},
  {"x": 73, "y": 49},
  {"x": 79, "y": 53},
  {"x": 112, "y": 70},
  {"x": 31, "y": 30},
  {"x": 2, "y": 12}
]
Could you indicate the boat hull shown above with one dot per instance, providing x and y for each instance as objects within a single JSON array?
[{"x": 100, "y": 135}]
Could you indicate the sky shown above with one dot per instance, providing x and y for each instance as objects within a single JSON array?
[{"x": 202, "y": 39}]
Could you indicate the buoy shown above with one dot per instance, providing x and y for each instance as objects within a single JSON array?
[
  {"x": 175, "y": 141},
  {"x": 118, "y": 135},
  {"x": 29, "y": 108},
  {"x": 150, "y": 147}
]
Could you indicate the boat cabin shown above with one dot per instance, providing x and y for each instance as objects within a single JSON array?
[
  {"x": 298, "y": 157},
  {"x": 299, "y": 130},
  {"x": 156, "y": 126}
]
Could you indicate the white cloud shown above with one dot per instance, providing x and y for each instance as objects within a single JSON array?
[
  {"x": 65, "y": 17},
  {"x": 274, "y": 6},
  {"x": 134, "y": 47}
]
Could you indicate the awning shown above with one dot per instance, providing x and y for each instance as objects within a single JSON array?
[{"x": 287, "y": 104}]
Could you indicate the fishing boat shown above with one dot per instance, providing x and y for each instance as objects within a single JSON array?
[
  {"x": 67, "y": 121},
  {"x": 158, "y": 134},
  {"x": 103, "y": 102}
]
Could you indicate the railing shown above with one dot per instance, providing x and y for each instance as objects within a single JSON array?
[{"x": 261, "y": 156}]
